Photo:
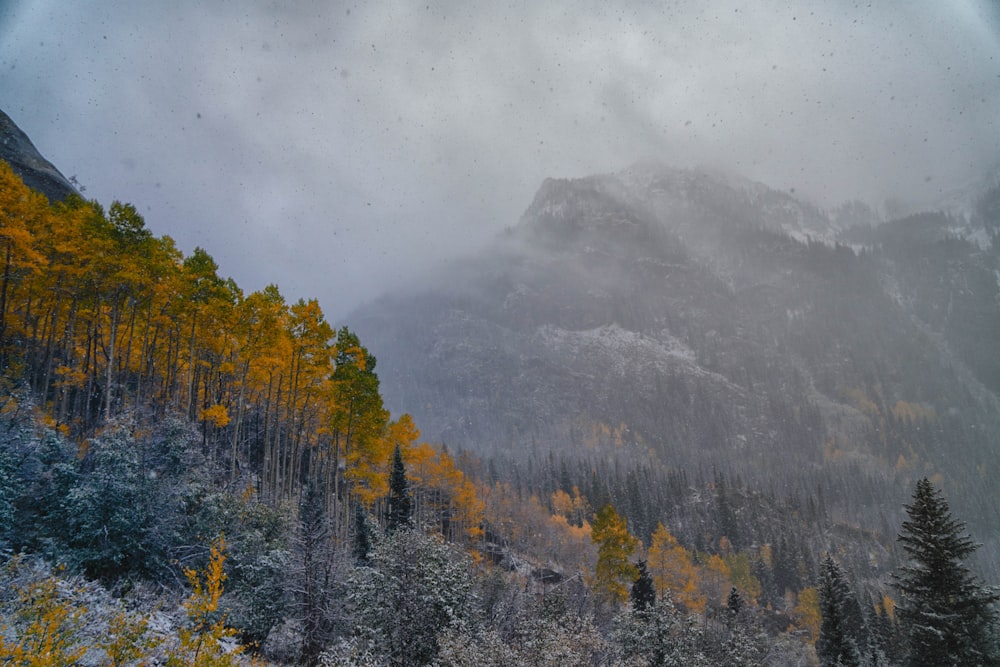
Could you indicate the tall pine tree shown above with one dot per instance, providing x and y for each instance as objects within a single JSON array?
[
  {"x": 945, "y": 611},
  {"x": 643, "y": 593},
  {"x": 838, "y": 642},
  {"x": 734, "y": 605},
  {"x": 399, "y": 510}
]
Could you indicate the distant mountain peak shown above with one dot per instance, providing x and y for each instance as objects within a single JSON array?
[
  {"x": 37, "y": 172},
  {"x": 652, "y": 197}
]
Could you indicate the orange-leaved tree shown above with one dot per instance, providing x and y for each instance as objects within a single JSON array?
[{"x": 673, "y": 570}]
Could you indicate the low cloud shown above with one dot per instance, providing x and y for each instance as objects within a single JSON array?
[{"x": 340, "y": 149}]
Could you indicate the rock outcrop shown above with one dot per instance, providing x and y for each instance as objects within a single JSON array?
[{"x": 37, "y": 172}]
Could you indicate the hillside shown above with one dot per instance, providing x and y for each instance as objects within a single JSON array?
[{"x": 706, "y": 322}]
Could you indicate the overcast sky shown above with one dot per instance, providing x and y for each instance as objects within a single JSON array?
[{"x": 339, "y": 149}]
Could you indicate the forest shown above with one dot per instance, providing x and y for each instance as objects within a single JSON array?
[{"x": 193, "y": 475}]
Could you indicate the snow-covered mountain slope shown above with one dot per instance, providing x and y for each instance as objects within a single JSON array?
[{"x": 702, "y": 320}]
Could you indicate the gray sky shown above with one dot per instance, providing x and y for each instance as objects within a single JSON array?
[{"x": 339, "y": 149}]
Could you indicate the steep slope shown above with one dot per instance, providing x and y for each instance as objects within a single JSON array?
[
  {"x": 36, "y": 172},
  {"x": 692, "y": 319}
]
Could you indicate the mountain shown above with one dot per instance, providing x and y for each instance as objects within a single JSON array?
[
  {"x": 36, "y": 172},
  {"x": 699, "y": 320},
  {"x": 687, "y": 359}
]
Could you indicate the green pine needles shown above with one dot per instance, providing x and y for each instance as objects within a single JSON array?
[
  {"x": 399, "y": 510},
  {"x": 945, "y": 611}
]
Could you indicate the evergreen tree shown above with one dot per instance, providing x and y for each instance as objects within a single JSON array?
[
  {"x": 417, "y": 586},
  {"x": 657, "y": 635},
  {"x": 837, "y": 645},
  {"x": 362, "y": 535},
  {"x": 945, "y": 612},
  {"x": 883, "y": 636},
  {"x": 786, "y": 576},
  {"x": 400, "y": 504},
  {"x": 643, "y": 593},
  {"x": 734, "y": 604}
]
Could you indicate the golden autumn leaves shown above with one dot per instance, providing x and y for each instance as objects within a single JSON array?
[
  {"x": 102, "y": 318},
  {"x": 694, "y": 581},
  {"x": 50, "y": 626}
]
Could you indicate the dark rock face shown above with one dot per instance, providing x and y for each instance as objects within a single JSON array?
[{"x": 37, "y": 172}]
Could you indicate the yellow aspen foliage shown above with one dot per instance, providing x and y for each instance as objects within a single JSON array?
[
  {"x": 441, "y": 489},
  {"x": 499, "y": 501},
  {"x": 574, "y": 536},
  {"x": 562, "y": 503},
  {"x": 422, "y": 465},
  {"x": 807, "y": 612},
  {"x": 21, "y": 210},
  {"x": 767, "y": 555},
  {"x": 888, "y": 607},
  {"x": 575, "y": 508},
  {"x": 613, "y": 573},
  {"x": 200, "y": 642},
  {"x": 528, "y": 525},
  {"x": 368, "y": 468},
  {"x": 469, "y": 509},
  {"x": 216, "y": 415},
  {"x": 673, "y": 570},
  {"x": 76, "y": 279},
  {"x": 47, "y": 634},
  {"x": 715, "y": 579},
  {"x": 127, "y": 641}
]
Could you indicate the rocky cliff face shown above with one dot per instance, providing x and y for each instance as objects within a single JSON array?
[
  {"x": 37, "y": 172},
  {"x": 692, "y": 319}
]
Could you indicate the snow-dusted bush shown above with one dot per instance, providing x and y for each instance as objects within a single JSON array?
[{"x": 417, "y": 586}]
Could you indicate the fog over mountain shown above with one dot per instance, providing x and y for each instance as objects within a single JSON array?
[
  {"x": 340, "y": 149},
  {"x": 658, "y": 316}
]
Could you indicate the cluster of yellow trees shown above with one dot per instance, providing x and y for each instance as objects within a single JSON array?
[
  {"x": 102, "y": 317},
  {"x": 694, "y": 581},
  {"x": 568, "y": 531}
]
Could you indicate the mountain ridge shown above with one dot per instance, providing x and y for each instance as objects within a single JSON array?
[
  {"x": 674, "y": 317},
  {"x": 37, "y": 173}
]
